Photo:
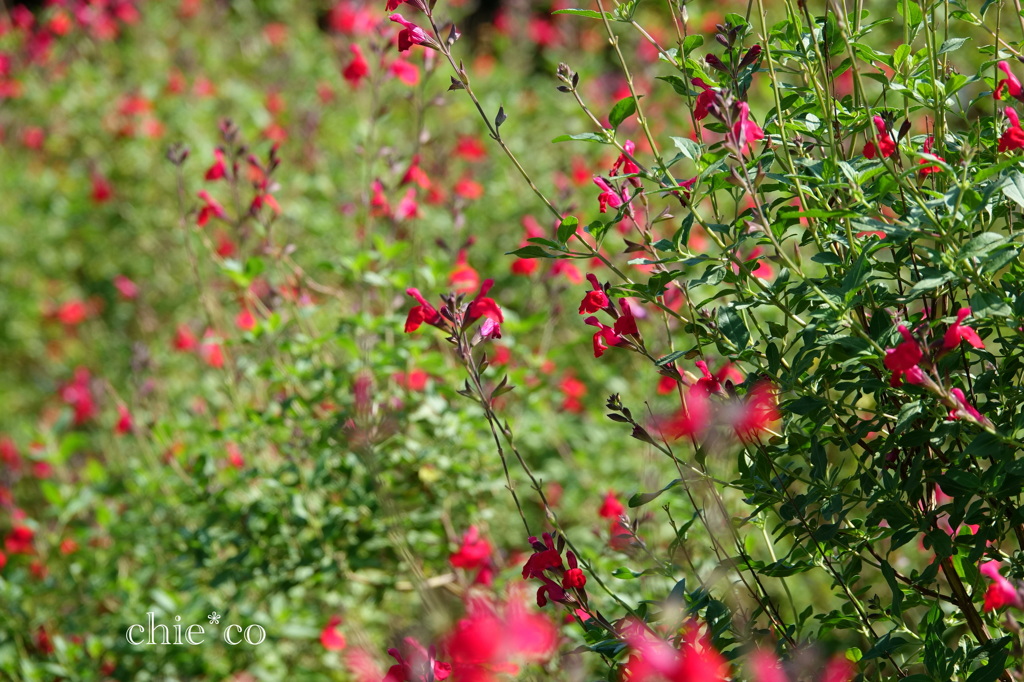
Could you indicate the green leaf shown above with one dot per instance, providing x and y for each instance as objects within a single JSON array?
[
  {"x": 692, "y": 42},
  {"x": 1013, "y": 187},
  {"x": 622, "y": 110},
  {"x": 671, "y": 357},
  {"x": 687, "y": 148},
  {"x": 644, "y": 498},
  {"x": 567, "y": 228},
  {"x": 985, "y": 304},
  {"x": 981, "y": 244},
  {"x": 591, "y": 137},
  {"x": 732, "y": 325},
  {"x": 952, "y": 44},
  {"x": 532, "y": 251},
  {"x": 588, "y": 13},
  {"x": 897, "y": 594}
]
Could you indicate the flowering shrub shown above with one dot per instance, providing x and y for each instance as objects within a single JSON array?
[{"x": 308, "y": 326}]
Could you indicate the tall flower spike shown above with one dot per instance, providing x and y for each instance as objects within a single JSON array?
[{"x": 1013, "y": 138}]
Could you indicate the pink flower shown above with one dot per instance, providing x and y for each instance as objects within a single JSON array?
[
  {"x": 184, "y": 339},
  {"x": 885, "y": 141},
  {"x": 126, "y": 287},
  {"x": 1001, "y": 591},
  {"x": 1010, "y": 84},
  {"x": 245, "y": 320},
  {"x": 958, "y": 332},
  {"x": 420, "y": 666},
  {"x": 1013, "y": 138},
  {"x": 745, "y": 131},
  {"x": 235, "y": 458},
  {"x": 607, "y": 197},
  {"x": 475, "y": 552},
  {"x": 595, "y": 299},
  {"x": 410, "y": 35},
  {"x": 78, "y": 394},
  {"x": 407, "y": 207},
  {"x": 624, "y": 161},
  {"x": 210, "y": 351},
  {"x": 964, "y": 408},
  {"x": 655, "y": 660},
  {"x": 331, "y": 637}
]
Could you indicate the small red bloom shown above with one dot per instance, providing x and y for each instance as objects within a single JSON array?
[
  {"x": 475, "y": 552},
  {"x": 424, "y": 312},
  {"x": 745, "y": 131},
  {"x": 958, "y": 332},
  {"x": 357, "y": 69},
  {"x": 573, "y": 389},
  {"x": 604, "y": 338},
  {"x": 482, "y": 306},
  {"x": 927, "y": 149},
  {"x": 595, "y": 299},
  {"x": 885, "y": 141},
  {"x": 464, "y": 277},
  {"x": 759, "y": 411},
  {"x": 210, "y": 209},
  {"x": 704, "y": 99},
  {"x": 1013, "y": 138},
  {"x": 184, "y": 339},
  {"x": 124, "y": 422},
  {"x": 245, "y": 320},
  {"x": 573, "y": 578},
  {"x": 608, "y": 197},
  {"x": 126, "y": 287},
  {"x": 102, "y": 190},
  {"x": 219, "y": 169},
  {"x": 626, "y": 324},
  {"x": 210, "y": 351},
  {"x": 235, "y": 458},
  {"x": 331, "y": 637},
  {"x": 19, "y": 540},
  {"x": 73, "y": 313},
  {"x": 1001, "y": 591},
  {"x": 410, "y": 35},
  {"x": 904, "y": 356},
  {"x": 625, "y": 160},
  {"x": 611, "y": 508},
  {"x": 1010, "y": 84}
]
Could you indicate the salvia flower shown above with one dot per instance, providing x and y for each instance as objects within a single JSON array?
[
  {"x": 885, "y": 142},
  {"x": 1013, "y": 138},
  {"x": 958, "y": 332},
  {"x": 705, "y": 99},
  {"x": 625, "y": 161},
  {"x": 1009, "y": 84},
  {"x": 424, "y": 312},
  {"x": 611, "y": 508},
  {"x": 608, "y": 196},
  {"x": 573, "y": 578},
  {"x": 482, "y": 306},
  {"x": 964, "y": 410},
  {"x": 410, "y": 35},
  {"x": 927, "y": 149},
  {"x": 1000, "y": 592},
  {"x": 420, "y": 665},
  {"x": 745, "y": 131},
  {"x": 475, "y": 551},
  {"x": 331, "y": 637},
  {"x": 219, "y": 169},
  {"x": 210, "y": 209},
  {"x": 903, "y": 357},
  {"x": 595, "y": 299},
  {"x": 604, "y": 338},
  {"x": 357, "y": 69}
]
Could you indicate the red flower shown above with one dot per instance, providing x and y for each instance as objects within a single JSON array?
[
  {"x": 219, "y": 169},
  {"x": 475, "y": 552},
  {"x": 958, "y": 332},
  {"x": 211, "y": 352},
  {"x": 379, "y": 206},
  {"x": 331, "y": 637},
  {"x": 573, "y": 578},
  {"x": 1013, "y": 138},
  {"x": 410, "y": 35},
  {"x": 78, "y": 394},
  {"x": 424, "y": 312},
  {"x": 626, "y": 324},
  {"x": 694, "y": 416},
  {"x": 72, "y": 313},
  {"x": 657, "y": 661},
  {"x": 964, "y": 408},
  {"x": 608, "y": 197},
  {"x": 704, "y": 99},
  {"x": 573, "y": 389},
  {"x": 124, "y": 422},
  {"x": 235, "y": 458},
  {"x": 544, "y": 557},
  {"x": 758, "y": 412},
  {"x": 357, "y": 69},
  {"x": 1010, "y": 84},
  {"x": 245, "y": 320},
  {"x": 482, "y": 306},
  {"x": 595, "y": 299},
  {"x": 745, "y": 131},
  {"x": 604, "y": 338},
  {"x": 464, "y": 277},
  {"x": 904, "y": 356},
  {"x": 405, "y": 71},
  {"x": 102, "y": 191},
  {"x": 184, "y": 339},
  {"x": 611, "y": 508},
  {"x": 1001, "y": 591},
  {"x": 470, "y": 149},
  {"x": 625, "y": 161},
  {"x": 209, "y": 209},
  {"x": 885, "y": 141},
  {"x": 927, "y": 149},
  {"x": 19, "y": 540}
]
